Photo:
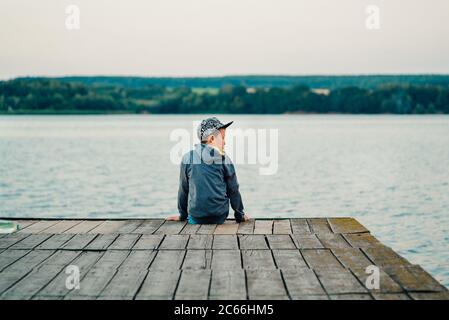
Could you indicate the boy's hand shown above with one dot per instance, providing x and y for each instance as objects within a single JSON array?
[
  {"x": 246, "y": 217},
  {"x": 173, "y": 218}
]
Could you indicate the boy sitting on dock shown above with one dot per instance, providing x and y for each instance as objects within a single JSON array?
[{"x": 208, "y": 181}]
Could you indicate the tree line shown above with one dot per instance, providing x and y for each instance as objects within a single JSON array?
[{"x": 48, "y": 95}]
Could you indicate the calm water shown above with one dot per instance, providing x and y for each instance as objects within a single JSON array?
[{"x": 390, "y": 172}]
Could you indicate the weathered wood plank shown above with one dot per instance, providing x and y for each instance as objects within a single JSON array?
[
  {"x": 252, "y": 242},
  {"x": 108, "y": 227},
  {"x": 10, "y": 277},
  {"x": 168, "y": 260},
  {"x": 101, "y": 242},
  {"x": 61, "y": 226},
  {"x": 197, "y": 259},
  {"x": 390, "y": 296},
  {"x": 280, "y": 241},
  {"x": 346, "y": 225},
  {"x": 306, "y": 241},
  {"x": 302, "y": 282},
  {"x": 30, "y": 260},
  {"x": 130, "y": 226},
  {"x": 8, "y": 257},
  {"x": 124, "y": 285},
  {"x": 330, "y": 240},
  {"x": 170, "y": 227},
  {"x": 362, "y": 240},
  {"x": 149, "y": 226},
  {"x": 265, "y": 284},
  {"x": 282, "y": 227},
  {"x": 11, "y": 239},
  {"x": 78, "y": 242},
  {"x": 288, "y": 259},
  {"x": 246, "y": 227},
  {"x": 200, "y": 241},
  {"x": 174, "y": 241},
  {"x": 300, "y": 226},
  {"x": 31, "y": 242},
  {"x": 352, "y": 257},
  {"x": 384, "y": 256},
  {"x": 84, "y": 226},
  {"x": 124, "y": 242},
  {"x": 263, "y": 227},
  {"x": 339, "y": 281},
  {"x": 228, "y": 285},
  {"x": 225, "y": 241},
  {"x": 159, "y": 284},
  {"x": 430, "y": 295},
  {"x": 206, "y": 229},
  {"x": 351, "y": 296},
  {"x": 193, "y": 284},
  {"x": 148, "y": 242},
  {"x": 413, "y": 278},
  {"x": 319, "y": 225},
  {"x": 386, "y": 283},
  {"x": 190, "y": 228},
  {"x": 258, "y": 259},
  {"x": 321, "y": 258},
  {"x": 228, "y": 227},
  {"x": 54, "y": 242},
  {"x": 39, "y": 226},
  {"x": 139, "y": 259},
  {"x": 226, "y": 260}
]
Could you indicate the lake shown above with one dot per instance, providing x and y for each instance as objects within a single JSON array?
[{"x": 390, "y": 172}]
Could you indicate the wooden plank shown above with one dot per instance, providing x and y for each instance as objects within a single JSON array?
[
  {"x": 108, "y": 227},
  {"x": 197, "y": 259},
  {"x": 101, "y": 242},
  {"x": 31, "y": 242},
  {"x": 430, "y": 295},
  {"x": 149, "y": 226},
  {"x": 413, "y": 278},
  {"x": 57, "y": 289},
  {"x": 246, "y": 227},
  {"x": 11, "y": 239},
  {"x": 301, "y": 282},
  {"x": 30, "y": 260},
  {"x": 84, "y": 226},
  {"x": 339, "y": 281},
  {"x": 263, "y": 227},
  {"x": 174, "y": 241},
  {"x": 190, "y": 228},
  {"x": 25, "y": 223},
  {"x": 61, "y": 226},
  {"x": 288, "y": 259},
  {"x": 306, "y": 241},
  {"x": 124, "y": 285},
  {"x": 170, "y": 227},
  {"x": 386, "y": 283},
  {"x": 300, "y": 226},
  {"x": 10, "y": 277},
  {"x": 346, "y": 225},
  {"x": 159, "y": 284},
  {"x": 226, "y": 260},
  {"x": 319, "y": 225},
  {"x": 384, "y": 256},
  {"x": 351, "y": 296},
  {"x": 258, "y": 259},
  {"x": 225, "y": 241},
  {"x": 139, "y": 259},
  {"x": 130, "y": 226},
  {"x": 206, "y": 229},
  {"x": 330, "y": 240},
  {"x": 352, "y": 258},
  {"x": 148, "y": 242},
  {"x": 78, "y": 242},
  {"x": 265, "y": 284},
  {"x": 168, "y": 260},
  {"x": 228, "y": 285},
  {"x": 321, "y": 258},
  {"x": 39, "y": 226},
  {"x": 124, "y": 242},
  {"x": 282, "y": 227},
  {"x": 252, "y": 242},
  {"x": 390, "y": 296},
  {"x": 200, "y": 241},
  {"x": 55, "y": 242},
  {"x": 8, "y": 257},
  {"x": 280, "y": 241},
  {"x": 60, "y": 258},
  {"x": 193, "y": 284},
  {"x": 362, "y": 240},
  {"x": 228, "y": 227}
]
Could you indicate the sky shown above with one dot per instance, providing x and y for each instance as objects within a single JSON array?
[{"x": 223, "y": 37}]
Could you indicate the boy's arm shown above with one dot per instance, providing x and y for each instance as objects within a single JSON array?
[
  {"x": 232, "y": 189},
  {"x": 183, "y": 192}
]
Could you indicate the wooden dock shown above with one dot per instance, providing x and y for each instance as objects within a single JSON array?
[{"x": 314, "y": 258}]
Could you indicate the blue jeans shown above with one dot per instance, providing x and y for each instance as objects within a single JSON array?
[{"x": 190, "y": 220}]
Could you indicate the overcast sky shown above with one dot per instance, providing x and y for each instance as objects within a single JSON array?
[{"x": 222, "y": 37}]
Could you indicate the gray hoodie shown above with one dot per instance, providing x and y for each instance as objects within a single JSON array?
[{"x": 207, "y": 183}]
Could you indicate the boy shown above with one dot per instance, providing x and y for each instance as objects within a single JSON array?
[{"x": 208, "y": 181}]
